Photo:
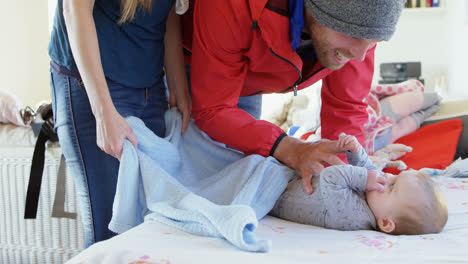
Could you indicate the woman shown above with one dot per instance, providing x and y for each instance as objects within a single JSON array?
[{"x": 107, "y": 64}]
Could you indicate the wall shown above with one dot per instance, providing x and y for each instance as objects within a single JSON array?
[
  {"x": 24, "y": 62},
  {"x": 458, "y": 71},
  {"x": 436, "y": 37}
]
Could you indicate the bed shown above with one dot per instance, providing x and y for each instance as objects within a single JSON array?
[{"x": 153, "y": 242}]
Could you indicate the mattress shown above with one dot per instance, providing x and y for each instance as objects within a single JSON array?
[
  {"x": 152, "y": 242},
  {"x": 45, "y": 239}
]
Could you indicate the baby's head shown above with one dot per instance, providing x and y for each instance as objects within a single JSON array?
[{"x": 411, "y": 204}]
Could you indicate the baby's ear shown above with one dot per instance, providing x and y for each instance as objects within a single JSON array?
[{"x": 386, "y": 225}]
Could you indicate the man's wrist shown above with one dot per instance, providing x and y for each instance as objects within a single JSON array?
[
  {"x": 285, "y": 150},
  {"x": 277, "y": 142}
]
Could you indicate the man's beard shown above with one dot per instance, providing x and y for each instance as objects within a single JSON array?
[{"x": 326, "y": 59}]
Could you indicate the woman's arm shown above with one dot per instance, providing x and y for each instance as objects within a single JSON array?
[
  {"x": 111, "y": 128},
  {"x": 174, "y": 67}
]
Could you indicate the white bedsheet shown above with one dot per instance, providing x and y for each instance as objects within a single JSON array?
[{"x": 152, "y": 242}]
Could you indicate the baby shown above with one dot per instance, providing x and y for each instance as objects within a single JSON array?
[{"x": 358, "y": 196}]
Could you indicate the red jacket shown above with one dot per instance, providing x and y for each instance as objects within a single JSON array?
[{"x": 242, "y": 47}]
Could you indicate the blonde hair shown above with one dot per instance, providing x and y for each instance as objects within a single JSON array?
[
  {"x": 128, "y": 9},
  {"x": 427, "y": 217}
]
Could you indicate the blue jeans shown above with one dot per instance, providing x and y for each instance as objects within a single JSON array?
[
  {"x": 94, "y": 171},
  {"x": 251, "y": 104}
]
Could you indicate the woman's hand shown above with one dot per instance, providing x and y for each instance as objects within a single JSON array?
[{"x": 111, "y": 131}]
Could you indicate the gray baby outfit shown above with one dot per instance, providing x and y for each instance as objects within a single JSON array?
[{"x": 338, "y": 201}]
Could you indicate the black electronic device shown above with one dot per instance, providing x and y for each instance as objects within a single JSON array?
[{"x": 396, "y": 72}]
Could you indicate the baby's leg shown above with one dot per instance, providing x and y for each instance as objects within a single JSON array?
[
  {"x": 402, "y": 105},
  {"x": 403, "y": 128},
  {"x": 425, "y": 113},
  {"x": 412, "y": 122}
]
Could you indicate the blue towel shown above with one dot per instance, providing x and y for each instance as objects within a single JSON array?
[{"x": 195, "y": 184}]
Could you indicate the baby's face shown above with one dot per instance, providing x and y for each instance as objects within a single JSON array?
[{"x": 399, "y": 189}]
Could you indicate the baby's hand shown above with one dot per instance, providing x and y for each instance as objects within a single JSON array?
[
  {"x": 375, "y": 181},
  {"x": 348, "y": 143}
]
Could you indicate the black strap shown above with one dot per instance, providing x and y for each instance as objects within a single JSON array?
[{"x": 37, "y": 167}]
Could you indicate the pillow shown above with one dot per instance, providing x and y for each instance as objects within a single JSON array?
[
  {"x": 433, "y": 145},
  {"x": 462, "y": 147},
  {"x": 10, "y": 109}
]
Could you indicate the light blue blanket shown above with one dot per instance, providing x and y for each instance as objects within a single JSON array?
[
  {"x": 458, "y": 169},
  {"x": 195, "y": 184}
]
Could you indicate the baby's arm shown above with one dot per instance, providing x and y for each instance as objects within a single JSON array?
[
  {"x": 343, "y": 178},
  {"x": 355, "y": 153},
  {"x": 357, "y": 156},
  {"x": 342, "y": 189}
]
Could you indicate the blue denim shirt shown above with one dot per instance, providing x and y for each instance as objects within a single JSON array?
[{"x": 132, "y": 53}]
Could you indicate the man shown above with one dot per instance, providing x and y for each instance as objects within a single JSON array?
[{"x": 249, "y": 47}]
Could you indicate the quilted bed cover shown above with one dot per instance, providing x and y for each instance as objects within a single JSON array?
[{"x": 152, "y": 242}]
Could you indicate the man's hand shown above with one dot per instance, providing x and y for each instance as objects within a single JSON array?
[
  {"x": 307, "y": 158},
  {"x": 375, "y": 181}
]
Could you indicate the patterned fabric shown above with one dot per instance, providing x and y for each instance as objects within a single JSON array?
[{"x": 378, "y": 124}]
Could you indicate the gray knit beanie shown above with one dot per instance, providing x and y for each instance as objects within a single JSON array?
[{"x": 368, "y": 19}]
